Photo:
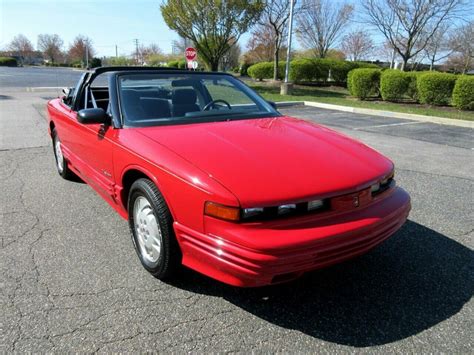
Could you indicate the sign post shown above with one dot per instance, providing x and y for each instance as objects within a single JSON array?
[{"x": 190, "y": 53}]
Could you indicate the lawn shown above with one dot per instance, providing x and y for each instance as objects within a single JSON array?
[{"x": 340, "y": 96}]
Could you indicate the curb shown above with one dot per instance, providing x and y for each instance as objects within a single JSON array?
[
  {"x": 289, "y": 103},
  {"x": 44, "y": 88},
  {"x": 400, "y": 115}
]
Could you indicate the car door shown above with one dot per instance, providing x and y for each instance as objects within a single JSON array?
[{"x": 93, "y": 146}]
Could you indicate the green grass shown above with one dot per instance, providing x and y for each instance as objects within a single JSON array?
[{"x": 340, "y": 96}]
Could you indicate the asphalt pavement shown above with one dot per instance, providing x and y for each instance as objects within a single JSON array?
[{"x": 70, "y": 280}]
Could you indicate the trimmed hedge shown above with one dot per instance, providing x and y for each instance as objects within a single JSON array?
[
  {"x": 340, "y": 69},
  {"x": 364, "y": 83},
  {"x": 463, "y": 93},
  {"x": 180, "y": 64},
  {"x": 435, "y": 88},
  {"x": 412, "y": 91},
  {"x": 8, "y": 62},
  {"x": 243, "y": 70},
  {"x": 264, "y": 70},
  {"x": 393, "y": 85},
  {"x": 259, "y": 71},
  {"x": 308, "y": 70},
  {"x": 396, "y": 85}
]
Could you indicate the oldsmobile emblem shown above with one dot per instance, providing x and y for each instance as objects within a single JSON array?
[{"x": 355, "y": 201}]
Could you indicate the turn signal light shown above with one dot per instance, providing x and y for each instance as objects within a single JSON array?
[{"x": 222, "y": 212}]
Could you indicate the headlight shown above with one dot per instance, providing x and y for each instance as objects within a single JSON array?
[
  {"x": 383, "y": 185},
  {"x": 316, "y": 204},
  {"x": 252, "y": 212},
  {"x": 284, "y": 209}
]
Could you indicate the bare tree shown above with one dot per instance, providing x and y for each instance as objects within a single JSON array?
[
  {"x": 438, "y": 47},
  {"x": 50, "y": 45},
  {"x": 274, "y": 20},
  {"x": 231, "y": 58},
  {"x": 408, "y": 25},
  {"x": 386, "y": 53},
  {"x": 357, "y": 45},
  {"x": 260, "y": 46},
  {"x": 462, "y": 44},
  {"x": 21, "y": 45},
  {"x": 146, "y": 52},
  {"x": 81, "y": 49},
  {"x": 180, "y": 45},
  {"x": 321, "y": 23}
]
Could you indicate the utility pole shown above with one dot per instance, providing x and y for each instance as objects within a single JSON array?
[
  {"x": 136, "y": 49},
  {"x": 286, "y": 86},
  {"x": 116, "y": 51},
  {"x": 87, "y": 57}
]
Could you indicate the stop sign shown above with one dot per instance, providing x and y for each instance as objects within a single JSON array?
[{"x": 190, "y": 53}]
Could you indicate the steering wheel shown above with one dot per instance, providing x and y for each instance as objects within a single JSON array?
[{"x": 213, "y": 102}]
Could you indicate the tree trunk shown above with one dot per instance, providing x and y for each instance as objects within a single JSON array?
[
  {"x": 275, "y": 65},
  {"x": 404, "y": 64},
  {"x": 276, "y": 58},
  {"x": 214, "y": 64}
]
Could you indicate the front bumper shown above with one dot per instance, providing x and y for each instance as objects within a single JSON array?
[{"x": 268, "y": 253}]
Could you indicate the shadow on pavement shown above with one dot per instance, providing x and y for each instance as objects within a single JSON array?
[{"x": 415, "y": 280}]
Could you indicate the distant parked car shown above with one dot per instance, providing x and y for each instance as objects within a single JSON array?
[{"x": 212, "y": 176}]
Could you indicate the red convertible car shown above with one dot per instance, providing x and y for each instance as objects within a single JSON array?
[{"x": 213, "y": 177}]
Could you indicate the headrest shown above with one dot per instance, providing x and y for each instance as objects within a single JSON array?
[{"x": 184, "y": 97}]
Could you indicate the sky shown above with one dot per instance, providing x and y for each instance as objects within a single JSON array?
[{"x": 106, "y": 22}]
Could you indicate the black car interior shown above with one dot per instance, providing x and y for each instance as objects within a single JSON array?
[{"x": 149, "y": 102}]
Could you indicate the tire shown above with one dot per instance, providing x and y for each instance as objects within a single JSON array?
[
  {"x": 151, "y": 228},
  {"x": 61, "y": 163}
]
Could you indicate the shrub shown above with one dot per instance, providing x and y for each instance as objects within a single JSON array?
[
  {"x": 366, "y": 65},
  {"x": 259, "y": 71},
  {"x": 173, "y": 64},
  {"x": 302, "y": 70},
  {"x": 340, "y": 69},
  {"x": 364, "y": 83},
  {"x": 321, "y": 70},
  {"x": 96, "y": 62},
  {"x": 412, "y": 91},
  {"x": 394, "y": 84},
  {"x": 463, "y": 93},
  {"x": 8, "y": 62},
  {"x": 244, "y": 68},
  {"x": 309, "y": 70},
  {"x": 435, "y": 88}
]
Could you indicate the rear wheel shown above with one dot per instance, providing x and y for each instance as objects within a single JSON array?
[
  {"x": 61, "y": 163},
  {"x": 151, "y": 226}
]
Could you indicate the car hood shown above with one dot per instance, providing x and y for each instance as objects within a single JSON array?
[{"x": 274, "y": 160}]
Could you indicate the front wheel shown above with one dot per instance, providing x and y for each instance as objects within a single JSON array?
[
  {"x": 151, "y": 226},
  {"x": 61, "y": 163}
]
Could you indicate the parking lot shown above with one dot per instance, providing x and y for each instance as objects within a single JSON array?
[{"x": 70, "y": 279}]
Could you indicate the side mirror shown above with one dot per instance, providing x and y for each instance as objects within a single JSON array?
[
  {"x": 92, "y": 115},
  {"x": 66, "y": 91},
  {"x": 272, "y": 104}
]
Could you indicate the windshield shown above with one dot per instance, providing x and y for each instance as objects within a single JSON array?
[{"x": 169, "y": 98}]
